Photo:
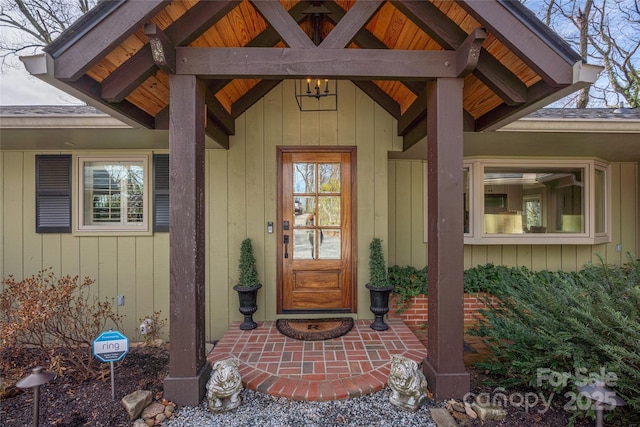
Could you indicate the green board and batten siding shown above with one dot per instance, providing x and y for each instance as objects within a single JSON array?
[
  {"x": 241, "y": 199},
  {"x": 407, "y": 247}
]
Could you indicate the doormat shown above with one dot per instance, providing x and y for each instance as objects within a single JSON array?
[{"x": 314, "y": 329}]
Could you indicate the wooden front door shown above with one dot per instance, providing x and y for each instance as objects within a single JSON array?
[{"x": 316, "y": 202}]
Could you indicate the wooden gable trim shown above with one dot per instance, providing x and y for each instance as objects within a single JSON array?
[
  {"x": 124, "y": 79},
  {"x": 533, "y": 48},
  {"x": 351, "y": 24},
  {"x": 430, "y": 19},
  {"x": 76, "y": 60},
  {"x": 283, "y": 23}
]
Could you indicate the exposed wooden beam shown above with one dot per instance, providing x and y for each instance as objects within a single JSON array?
[
  {"x": 252, "y": 96},
  {"x": 379, "y": 96},
  {"x": 220, "y": 114},
  {"x": 419, "y": 130},
  {"x": 215, "y": 132},
  {"x": 124, "y": 79},
  {"x": 277, "y": 16},
  {"x": 535, "y": 93},
  {"x": 346, "y": 30},
  {"x": 91, "y": 88},
  {"x": 162, "y": 49},
  {"x": 500, "y": 80},
  {"x": 416, "y": 112},
  {"x": 468, "y": 53},
  {"x": 115, "y": 28},
  {"x": 533, "y": 47},
  {"x": 450, "y": 36},
  {"x": 287, "y": 63},
  {"x": 366, "y": 40}
]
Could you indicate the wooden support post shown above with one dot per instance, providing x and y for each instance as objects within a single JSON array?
[
  {"x": 188, "y": 368},
  {"x": 444, "y": 365}
]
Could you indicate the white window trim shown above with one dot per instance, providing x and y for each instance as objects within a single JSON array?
[
  {"x": 476, "y": 235},
  {"x": 142, "y": 227}
]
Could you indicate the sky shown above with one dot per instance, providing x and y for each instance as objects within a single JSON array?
[{"x": 18, "y": 87}]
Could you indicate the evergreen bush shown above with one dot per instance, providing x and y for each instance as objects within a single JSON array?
[
  {"x": 582, "y": 324},
  {"x": 248, "y": 273},
  {"x": 378, "y": 274}
]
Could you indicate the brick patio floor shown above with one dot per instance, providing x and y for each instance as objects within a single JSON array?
[{"x": 353, "y": 365}]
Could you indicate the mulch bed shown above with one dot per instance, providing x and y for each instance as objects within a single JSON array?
[{"x": 68, "y": 401}]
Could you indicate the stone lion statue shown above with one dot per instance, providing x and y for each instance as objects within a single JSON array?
[
  {"x": 224, "y": 386},
  {"x": 407, "y": 383}
]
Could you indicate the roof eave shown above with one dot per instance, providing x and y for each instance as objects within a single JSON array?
[
  {"x": 42, "y": 67},
  {"x": 583, "y": 75}
]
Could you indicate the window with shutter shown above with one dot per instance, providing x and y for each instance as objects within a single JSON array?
[
  {"x": 53, "y": 194},
  {"x": 161, "y": 192}
]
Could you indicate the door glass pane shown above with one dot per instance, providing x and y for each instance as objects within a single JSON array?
[
  {"x": 304, "y": 177},
  {"x": 304, "y": 208},
  {"x": 304, "y": 244},
  {"x": 330, "y": 244},
  {"x": 329, "y": 177},
  {"x": 329, "y": 210}
]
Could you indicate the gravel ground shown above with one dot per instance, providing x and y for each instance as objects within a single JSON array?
[{"x": 259, "y": 409}]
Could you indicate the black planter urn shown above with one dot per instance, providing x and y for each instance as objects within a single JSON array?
[
  {"x": 379, "y": 306},
  {"x": 248, "y": 306}
]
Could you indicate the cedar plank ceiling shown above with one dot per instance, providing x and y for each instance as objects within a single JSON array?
[{"x": 121, "y": 73}]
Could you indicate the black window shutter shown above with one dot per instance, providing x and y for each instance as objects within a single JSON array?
[
  {"x": 53, "y": 194},
  {"x": 161, "y": 192}
]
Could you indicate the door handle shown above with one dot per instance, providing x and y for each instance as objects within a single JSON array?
[{"x": 286, "y": 245}]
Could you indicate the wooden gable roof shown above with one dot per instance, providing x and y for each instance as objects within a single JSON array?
[{"x": 118, "y": 55}]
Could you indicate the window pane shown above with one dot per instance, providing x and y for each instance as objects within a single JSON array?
[
  {"x": 533, "y": 200},
  {"x": 330, "y": 243},
  {"x": 329, "y": 210},
  {"x": 304, "y": 209},
  {"x": 304, "y": 178},
  {"x": 467, "y": 194},
  {"x": 304, "y": 244},
  {"x": 329, "y": 176},
  {"x": 113, "y": 193},
  {"x": 599, "y": 202}
]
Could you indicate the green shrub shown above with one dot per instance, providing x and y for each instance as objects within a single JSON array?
[
  {"x": 410, "y": 282},
  {"x": 569, "y": 323}
]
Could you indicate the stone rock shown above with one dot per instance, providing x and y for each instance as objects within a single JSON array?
[
  {"x": 150, "y": 422},
  {"x": 470, "y": 412},
  {"x": 160, "y": 418},
  {"x": 135, "y": 402},
  {"x": 167, "y": 413},
  {"x": 139, "y": 423},
  {"x": 152, "y": 410},
  {"x": 224, "y": 386},
  {"x": 489, "y": 412},
  {"x": 408, "y": 384}
]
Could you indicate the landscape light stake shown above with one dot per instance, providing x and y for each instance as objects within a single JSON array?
[
  {"x": 602, "y": 397},
  {"x": 34, "y": 380}
]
